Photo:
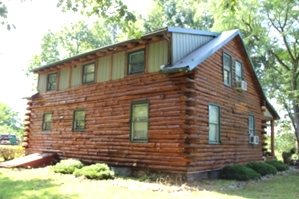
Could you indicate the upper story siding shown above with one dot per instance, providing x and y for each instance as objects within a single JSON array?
[{"x": 113, "y": 65}]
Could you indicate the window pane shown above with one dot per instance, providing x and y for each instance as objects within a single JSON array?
[
  {"x": 213, "y": 114},
  {"x": 51, "y": 82},
  {"x": 227, "y": 67},
  {"x": 136, "y": 62},
  {"x": 137, "y": 57},
  {"x": 89, "y": 68},
  {"x": 238, "y": 71},
  {"x": 140, "y": 111},
  {"x": 79, "y": 120},
  {"x": 139, "y": 122},
  {"x": 140, "y": 130},
  {"x": 214, "y": 123},
  {"x": 213, "y": 132},
  {"x": 89, "y": 78},
  {"x": 47, "y": 121}
]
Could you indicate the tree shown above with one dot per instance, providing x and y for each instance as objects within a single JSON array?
[
  {"x": 9, "y": 120},
  {"x": 113, "y": 11},
  {"x": 175, "y": 13},
  {"x": 72, "y": 40},
  {"x": 270, "y": 29}
]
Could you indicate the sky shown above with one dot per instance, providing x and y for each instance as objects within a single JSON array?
[{"x": 32, "y": 20}]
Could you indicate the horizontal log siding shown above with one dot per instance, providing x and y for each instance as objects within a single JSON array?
[
  {"x": 235, "y": 108},
  {"x": 106, "y": 137}
]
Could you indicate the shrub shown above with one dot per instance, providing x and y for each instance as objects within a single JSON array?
[
  {"x": 95, "y": 171},
  {"x": 239, "y": 172},
  {"x": 11, "y": 152},
  {"x": 262, "y": 168},
  {"x": 67, "y": 166},
  {"x": 279, "y": 165}
]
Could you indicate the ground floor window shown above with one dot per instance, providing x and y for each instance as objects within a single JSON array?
[
  {"x": 47, "y": 121},
  {"x": 139, "y": 121},
  {"x": 214, "y": 123},
  {"x": 79, "y": 120}
]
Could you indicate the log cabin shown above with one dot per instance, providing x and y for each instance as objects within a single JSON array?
[{"x": 175, "y": 100}]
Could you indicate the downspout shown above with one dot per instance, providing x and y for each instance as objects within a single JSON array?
[{"x": 169, "y": 48}]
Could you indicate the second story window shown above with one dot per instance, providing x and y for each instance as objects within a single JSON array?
[
  {"x": 47, "y": 121},
  {"x": 136, "y": 62},
  {"x": 51, "y": 82},
  {"x": 79, "y": 120},
  {"x": 239, "y": 71},
  {"x": 251, "y": 126},
  {"x": 227, "y": 69},
  {"x": 88, "y": 73}
]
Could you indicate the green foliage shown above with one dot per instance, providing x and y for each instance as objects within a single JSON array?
[
  {"x": 262, "y": 168},
  {"x": 11, "y": 152},
  {"x": 9, "y": 120},
  {"x": 67, "y": 166},
  {"x": 239, "y": 172},
  {"x": 95, "y": 171},
  {"x": 280, "y": 166},
  {"x": 285, "y": 141},
  {"x": 72, "y": 40},
  {"x": 186, "y": 13}
]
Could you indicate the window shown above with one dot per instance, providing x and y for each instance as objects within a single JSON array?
[
  {"x": 251, "y": 125},
  {"x": 88, "y": 73},
  {"x": 136, "y": 62},
  {"x": 79, "y": 120},
  {"x": 214, "y": 123},
  {"x": 227, "y": 69},
  {"x": 47, "y": 121},
  {"x": 239, "y": 71},
  {"x": 51, "y": 79},
  {"x": 139, "y": 121}
]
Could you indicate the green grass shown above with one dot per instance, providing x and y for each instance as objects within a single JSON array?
[{"x": 42, "y": 183}]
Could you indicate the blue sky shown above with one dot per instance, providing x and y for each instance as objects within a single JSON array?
[{"x": 32, "y": 20}]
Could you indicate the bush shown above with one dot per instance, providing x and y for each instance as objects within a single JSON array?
[
  {"x": 239, "y": 172},
  {"x": 279, "y": 165},
  {"x": 67, "y": 166},
  {"x": 95, "y": 171},
  {"x": 262, "y": 168},
  {"x": 11, "y": 152}
]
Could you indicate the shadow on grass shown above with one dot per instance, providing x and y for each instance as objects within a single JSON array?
[{"x": 31, "y": 189}]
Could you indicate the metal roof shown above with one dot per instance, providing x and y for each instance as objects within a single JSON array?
[
  {"x": 145, "y": 36},
  {"x": 195, "y": 58}
]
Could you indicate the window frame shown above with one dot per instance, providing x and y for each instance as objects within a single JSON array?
[
  {"x": 229, "y": 71},
  {"x": 85, "y": 74},
  {"x": 44, "y": 122},
  {"x": 49, "y": 84},
  {"x": 242, "y": 71},
  {"x": 129, "y": 63},
  {"x": 75, "y": 120},
  {"x": 132, "y": 139},
  {"x": 216, "y": 141},
  {"x": 251, "y": 129}
]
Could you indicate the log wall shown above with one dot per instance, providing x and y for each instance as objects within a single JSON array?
[
  {"x": 107, "y": 107},
  {"x": 235, "y": 106}
]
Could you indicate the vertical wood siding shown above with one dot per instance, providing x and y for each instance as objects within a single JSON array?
[
  {"x": 42, "y": 87},
  {"x": 76, "y": 79},
  {"x": 104, "y": 69},
  {"x": 158, "y": 54},
  {"x": 64, "y": 78},
  {"x": 183, "y": 44},
  {"x": 118, "y": 68}
]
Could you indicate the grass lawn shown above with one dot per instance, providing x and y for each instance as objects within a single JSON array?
[{"x": 41, "y": 183}]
